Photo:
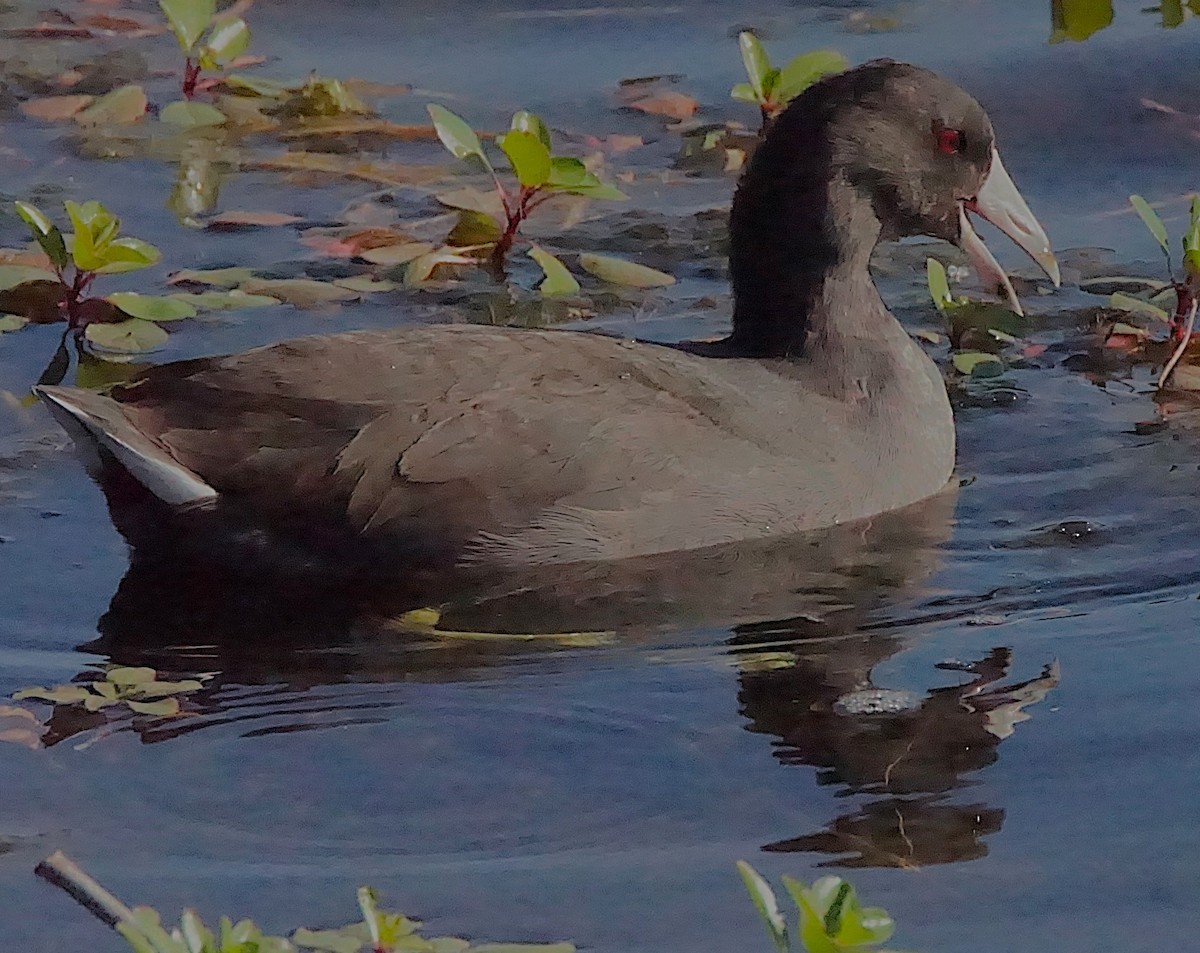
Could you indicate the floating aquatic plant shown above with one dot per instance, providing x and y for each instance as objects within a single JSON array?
[
  {"x": 377, "y": 932},
  {"x": 138, "y": 688},
  {"x": 773, "y": 87},
  {"x": 210, "y": 41},
  {"x": 124, "y": 321},
  {"x": 831, "y": 919},
  {"x": 540, "y": 175},
  {"x": 1181, "y": 290}
]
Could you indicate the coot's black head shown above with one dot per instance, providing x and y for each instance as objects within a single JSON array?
[{"x": 882, "y": 151}]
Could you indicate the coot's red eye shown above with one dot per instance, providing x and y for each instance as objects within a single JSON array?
[{"x": 951, "y": 141}]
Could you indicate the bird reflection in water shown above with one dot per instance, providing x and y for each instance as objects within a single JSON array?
[{"x": 915, "y": 750}]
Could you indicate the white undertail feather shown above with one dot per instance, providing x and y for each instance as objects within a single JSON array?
[{"x": 101, "y": 422}]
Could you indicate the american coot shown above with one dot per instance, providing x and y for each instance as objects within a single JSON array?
[{"x": 500, "y": 447}]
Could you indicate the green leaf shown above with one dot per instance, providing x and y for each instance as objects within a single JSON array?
[
  {"x": 225, "y": 300},
  {"x": 227, "y": 42},
  {"x": 12, "y": 322},
  {"x": 525, "y": 121},
  {"x": 622, "y": 272},
  {"x": 163, "y": 708},
  {"x": 558, "y": 280},
  {"x": 151, "y": 307},
  {"x": 806, "y": 69},
  {"x": 134, "y": 336},
  {"x": 744, "y": 92},
  {"x": 45, "y": 231},
  {"x": 127, "y": 254},
  {"x": 472, "y": 229},
  {"x": 97, "y": 702},
  {"x": 813, "y": 905},
  {"x": 216, "y": 277},
  {"x": 1124, "y": 302},
  {"x": 1151, "y": 220},
  {"x": 766, "y": 904},
  {"x": 939, "y": 285},
  {"x": 189, "y": 19},
  {"x": 455, "y": 134},
  {"x": 1078, "y": 19},
  {"x": 328, "y": 941},
  {"x": 567, "y": 172},
  {"x": 529, "y": 157},
  {"x": 1191, "y": 263},
  {"x": 256, "y": 86},
  {"x": 83, "y": 248},
  {"x": 978, "y": 364},
  {"x": 125, "y": 104},
  {"x": 60, "y": 695},
  {"x": 756, "y": 61},
  {"x": 191, "y": 114},
  {"x": 13, "y": 275},
  {"x": 125, "y": 675}
]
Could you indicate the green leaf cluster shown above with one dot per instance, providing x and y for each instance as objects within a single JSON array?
[
  {"x": 831, "y": 918},
  {"x": 203, "y": 34},
  {"x": 94, "y": 246},
  {"x": 138, "y": 688},
  {"x": 377, "y": 932},
  {"x": 773, "y": 87},
  {"x": 1182, "y": 292},
  {"x": 528, "y": 147}
]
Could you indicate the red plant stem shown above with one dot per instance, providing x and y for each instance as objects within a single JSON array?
[
  {"x": 515, "y": 216},
  {"x": 191, "y": 76},
  {"x": 1185, "y": 296}
]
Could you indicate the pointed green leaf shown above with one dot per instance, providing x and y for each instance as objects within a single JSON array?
[
  {"x": 744, "y": 92},
  {"x": 525, "y": 121},
  {"x": 567, "y": 172},
  {"x": 1151, "y": 220},
  {"x": 134, "y": 336},
  {"x": 622, "y": 272},
  {"x": 45, "y": 231},
  {"x": 939, "y": 285},
  {"x": 128, "y": 254},
  {"x": 812, "y": 907},
  {"x": 189, "y": 19},
  {"x": 455, "y": 134},
  {"x": 529, "y": 157},
  {"x": 157, "y": 689},
  {"x": 766, "y": 904},
  {"x": 1124, "y": 302},
  {"x": 756, "y": 61},
  {"x": 83, "y": 249},
  {"x": 978, "y": 364},
  {"x": 1191, "y": 263},
  {"x": 558, "y": 280},
  {"x": 191, "y": 114},
  {"x": 805, "y": 70},
  {"x": 151, "y": 307},
  {"x": 227, "y": 41}
]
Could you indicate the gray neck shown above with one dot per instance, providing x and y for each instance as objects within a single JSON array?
[{"x": 802, "y": 238}]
